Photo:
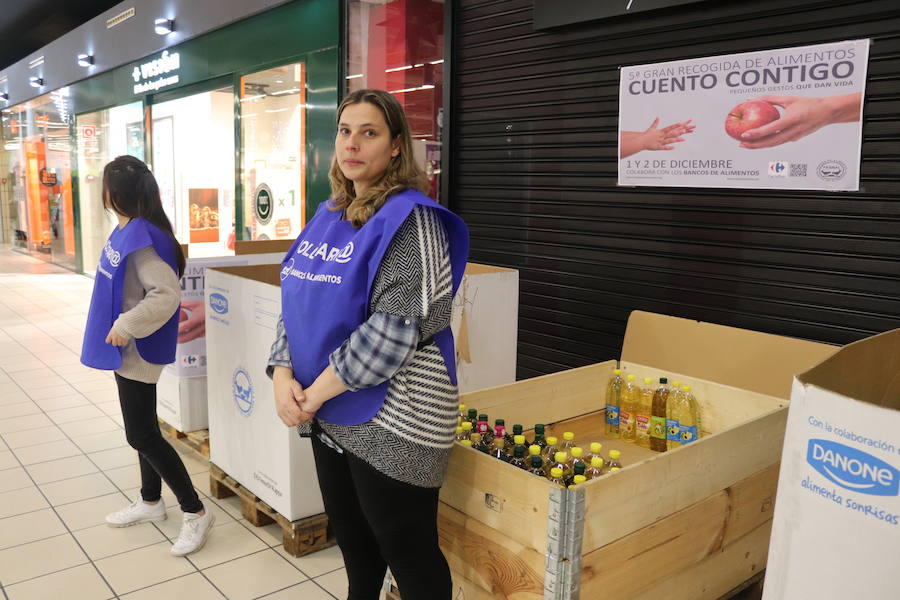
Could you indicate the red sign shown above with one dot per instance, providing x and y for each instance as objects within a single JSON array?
[
  {"x": 88, "y": 132},
  {"x": 283, "y": 227}
]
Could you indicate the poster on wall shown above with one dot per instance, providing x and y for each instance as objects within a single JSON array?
[
  {"x": 204, "y": 207},
  {"x": 134, "y": 134},
  {"x": 774, "y": 119}
]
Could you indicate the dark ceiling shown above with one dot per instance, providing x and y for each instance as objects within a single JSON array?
[{"x": 27, "y": 25}]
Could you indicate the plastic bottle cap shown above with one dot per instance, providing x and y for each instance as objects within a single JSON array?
[
  {"x": 499, "y": 422},
  {"x": 614, "y": 454},
  {"x": 534, "y": 450},
  {"x": 476, "y": 437},
  {"x": 630, "y": 378},
  {"x": 466, "y": 443},
  {"x": 560, "y": 457},
  {"x": 473, "y": 412},
  {"x": 617, "y": 371},
  {"x": 539, "y": 428},
  {"x": 595, "y": 447},
  {"x": 556, "y": 472},
  {"x": 499, "y": 442},
  {"x": 686, "y": 388},
  {"x": 648, "y": 380},
  {"x": 614, "y": 469},
  {"x": 519, "y": 451},
  {"x": 459, "y": 430},
  {"x": 676, "y": 384},
  {"x": 578, "y": 469},
  {"x": 536, "y": 461},
  {"x": 467, "y": 426},
  {"x": 517, "y": 429},
  {"x": 579, "y": 479},
  {"x": 663, "y": 380},
  {"x": 519, "y": 439},
  {"x": 482, "y": 417},
  {"x": 462, "y": 408},
  {"x": 597, "y": 462},
  {"x": 577, "y": 452},
  {"x": 568, "y": 436},
  {"x": 552, "y": 440}
]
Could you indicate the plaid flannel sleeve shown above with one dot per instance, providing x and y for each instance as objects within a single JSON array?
[
  {"x": 280, "y": 354},
  {"x": 376, "y": 350}
]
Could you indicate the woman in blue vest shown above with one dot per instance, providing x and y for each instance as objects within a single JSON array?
[
  {"x": 364, "y": 360},
  {"x": 132, "y": 329}
]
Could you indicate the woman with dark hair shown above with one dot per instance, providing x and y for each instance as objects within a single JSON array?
[
  {"x": 131, "y": 329},
  {"x": 364, "y": 360}
]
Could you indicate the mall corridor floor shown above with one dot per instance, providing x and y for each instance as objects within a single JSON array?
[{"x": 65, "y": 464}]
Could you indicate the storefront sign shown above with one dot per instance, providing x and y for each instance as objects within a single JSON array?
[
  {"x": 777, "y": 119},
  {"x": 88, "y": 132},
  {"x": 157, "y": 74}
]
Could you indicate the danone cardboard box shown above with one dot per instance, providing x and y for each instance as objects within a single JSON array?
[
  {"x": 485, "y": 323},
  {"x": 247, "y": 439},
  {"x": 836, "y": 531}
]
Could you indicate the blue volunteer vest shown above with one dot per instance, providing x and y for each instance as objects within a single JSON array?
[
  {"x": 326, "y": 286},
  {"x": 106, "y": 301}
]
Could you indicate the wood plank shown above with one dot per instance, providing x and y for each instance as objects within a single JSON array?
[
  {"x": 490, "y": 562},
  {"x": 504, "y": 498},
  {"x": 645, "y": 492},
  {"x": 643, "y": 559},
  {"x": 718, "y": 574}
]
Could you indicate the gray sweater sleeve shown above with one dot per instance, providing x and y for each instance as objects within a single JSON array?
[{"x": 162, "y": 295}]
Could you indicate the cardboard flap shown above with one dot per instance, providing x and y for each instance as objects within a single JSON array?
[
  {"x": 262, "y": 246},
  {"x": 751, "y": 360},
  {"x": 867, "y": 370},
  {"x": 270, "y": 274},
  {"x": 480, "y": 269}
]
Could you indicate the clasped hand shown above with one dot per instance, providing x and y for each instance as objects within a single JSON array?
[{"x": 294, "y": 405}]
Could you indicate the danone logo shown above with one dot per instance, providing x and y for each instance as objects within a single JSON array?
[
  {"x": 853, "y": 469},
  {"x": 218, "y": 303}
]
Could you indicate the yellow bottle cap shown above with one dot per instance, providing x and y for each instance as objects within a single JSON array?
[
  {"x": 475, "y": 437},
  {"x": 466, "y": 443},
  {"x": 614, "y": 469},
  {"x": 560, "y": 457},
  {"x": 597, "y": 462},
  {"x": 463, "y": 408},
  {"x": 579, "y": 479},
  {"x": 676, "y": 384},
  {"x": 630, "y": 377},
  {"x": 534, "y": 450},
  {"x": 499, "y": 442},
  {"x": 552, "y": 440},
  {"x": 617, "y": 371},
  {"x": 519, "y": 440},
  {"x": 648, "y": 380},
  {"x": 614, "y": 454},
  {"x": 459, "y": 430},
  {"x": 577, "y": 452},
  {"x": 568, "y": 436},
  {"x": 556, "y": 472},
  {"x": 686, "y": 388},
  {"x": 595, "y": 447}
]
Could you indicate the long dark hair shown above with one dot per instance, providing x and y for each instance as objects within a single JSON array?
[{"x": 130, "y": 189}]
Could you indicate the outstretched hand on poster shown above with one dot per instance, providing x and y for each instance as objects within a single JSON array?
[
  {"x": 192, "y": 321},
  {"x": 653, "y": 138},
  {"x": 801, "y": 117}
]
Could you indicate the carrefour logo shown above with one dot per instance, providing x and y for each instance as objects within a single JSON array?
[
  {"x": 218, "y": 303},
  {"x": 242, "y": 390},
  {"x": 853, "y": 469}
]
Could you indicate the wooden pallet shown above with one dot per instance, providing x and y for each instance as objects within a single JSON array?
[
  {"x": 301, "y": 537},
  {"x": 198, "y": 441}
]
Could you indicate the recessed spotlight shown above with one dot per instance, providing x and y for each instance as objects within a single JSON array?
[
  {"x": 36, "y": 81},
  {"x": 164, "y": 26},
  {"x": 85, "y": 60},
  {"x": 4, "y": 96}
]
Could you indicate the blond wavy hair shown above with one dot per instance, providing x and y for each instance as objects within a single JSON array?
[{"x": 402, "y": 172}]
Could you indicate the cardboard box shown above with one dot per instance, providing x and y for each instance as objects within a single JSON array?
[
  {"x": 691, "y": 523},
  {"x": 836, "y": 531},
  {"x": 247, "y": 439},
  {"x": 485, "y": 323},
  {"x": 181, "y": 401}
]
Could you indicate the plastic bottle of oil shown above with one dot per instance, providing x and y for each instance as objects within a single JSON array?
[
  {"x": 466, "y": 443},
  {"x": 461, "y": 415},
  {"x": 658, "y": 416},
  {"x": 478, "y": 443},
  {"x": 472, "y": 417},
  {"x": 534, "y": 450},
  {"x": 518, "y": 440},
  {"x": 484, "y": 429},
  {"x": 464, "y": 431},
  {"x": 614, "y": 461},
  {"x": 576, "y": 471},
  {"x": 674, "y": 408},
  {"x": 536, "y": 466},
  {"x": 549, "y": 450},
  {"x": 688, "y": 416},
  {"x": 576, "y": 457},
  {"x": 595, "y": 470},
  {"x": 511, "y": 437},
  {"x": 539, "y": 438},
  {"x": 556, "y": 476},
  {"x": 578, "y": 479},
  {"x": 614, "y": 403},
  {"x": 595, "y": 450},
  {"x": 500, "y": 430},
  {"x": 498, "y": 449},
  {"x": 560, "y": 462},
  {"x": 518, "y": 457},
  {"x": 644, "y": 412},
  {"x": 631, "y": 400},
  {"x": 568, "y": 441}
]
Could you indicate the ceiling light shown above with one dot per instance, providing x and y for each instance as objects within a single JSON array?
[
  {"x": 36, "y": 81},
  {"x": 164, "y": 26},
  {"x": 5, "y": 97},
  {"x": 85, "y": 60}
]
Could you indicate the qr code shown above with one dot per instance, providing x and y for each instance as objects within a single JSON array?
[{"x": 798, "y": 170}]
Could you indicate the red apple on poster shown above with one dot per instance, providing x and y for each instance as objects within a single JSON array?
[{"x": 749, "y": 115}]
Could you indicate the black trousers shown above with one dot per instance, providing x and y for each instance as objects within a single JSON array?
[
  {"x": 158, "y": 460},
  {"x": 380, "y": 522}
]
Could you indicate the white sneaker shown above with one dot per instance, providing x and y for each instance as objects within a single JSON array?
[
  {"x": 195, "y": 529},
  {"x": 137, "y": 512}
]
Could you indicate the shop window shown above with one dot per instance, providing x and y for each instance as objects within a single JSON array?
[
  {"x": 273, "y": 141},
  {"x": 398, "y": 46}
]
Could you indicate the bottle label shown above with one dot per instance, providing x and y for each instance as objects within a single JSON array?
[
  {"x": 673, "y": 430},
  {"x": 642, "y": 425},
  {"x": 499, "y": 431},
  {"x": 658, "y": 427},
  {"x": 482, "y": 428},
  {"x": 626, "y": 421},
  {"x": 612, "y": 415},
  {"x": 688, "y": 434}
]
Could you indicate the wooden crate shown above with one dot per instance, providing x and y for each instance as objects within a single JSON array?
[
  {"x": 300, "y": 537},
  {"x": 692, "y": 523}
]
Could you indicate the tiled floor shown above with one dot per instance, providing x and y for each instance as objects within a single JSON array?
[{"x": 65, "y": 464}]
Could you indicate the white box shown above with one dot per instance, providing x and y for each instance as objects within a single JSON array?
[
  {"x": 247, "y": 439},
  {"x": 485, "y": 324},
  {"x": 836, "y": 529},
  {"x": 181, "y": 401}
]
